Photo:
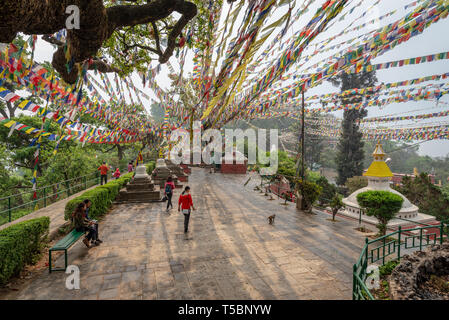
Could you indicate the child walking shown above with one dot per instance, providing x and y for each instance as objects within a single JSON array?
[
  {"x": 169, "y": 186},
  {"x": 185, "y": 203},
  {"x": 116, "y": 174}
]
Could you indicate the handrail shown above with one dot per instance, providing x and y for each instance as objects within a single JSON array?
[
  {"x": 81, "y": 183},
  {"x": 393, "y": 247},
  {"x": 48, "y": 186},
  {"x": 46, "y": 196}
]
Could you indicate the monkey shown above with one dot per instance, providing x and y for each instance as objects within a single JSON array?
[{"x": 271, "y": 219}]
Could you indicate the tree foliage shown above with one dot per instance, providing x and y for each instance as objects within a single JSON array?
[
  {"x": 309, "y": 191},
  {"x": 429, "y": 198},
  {"x": 336, "y": 204},
  {"x": 355, "y": 183},
  {"x": 328, "y": 191},
  {"x": 350, "y": 152},
  {"x": 381, "y": 204},
  {"x": 131, "y": 35}
]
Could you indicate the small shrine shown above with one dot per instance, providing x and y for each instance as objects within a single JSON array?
[
  {"x": 162, "y": 172},
  {"x": 379, "y": 176},
  {"x": 177, "y": 170},
  {"x": 140, "y": 188}
]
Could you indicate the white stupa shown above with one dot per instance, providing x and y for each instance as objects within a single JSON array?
[{"x": 379, "y": 176}]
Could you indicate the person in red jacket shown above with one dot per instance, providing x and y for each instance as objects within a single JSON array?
[
  {"x": 104, "y": 172},
  {"x": 116, "y": 174},
  {"x": 185, "y": 203}
]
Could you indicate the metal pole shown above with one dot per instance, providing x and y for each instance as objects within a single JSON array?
[
  {"x": 366, "y": 251},
  {"x": 302, "y": 140},
  {"x": 45, "y": 197},
  {"x": 302, "y": 173},
  {"x": 420, "y": 240},
  {"x": 9, "y": 209},
  {"x": 399, "y": 243},
  {"x": 354, "y": 282}
]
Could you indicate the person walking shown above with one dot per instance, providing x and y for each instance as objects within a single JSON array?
[
  {"x": 116, "y": 174},
  {"x": 130, "y": 167},
  {"x": 185, "y": 202},
  {"x": 168, "y": 189},
  {"x": 104, "y": 172}
]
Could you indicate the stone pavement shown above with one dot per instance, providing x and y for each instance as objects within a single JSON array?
[{"x": 231, "y": 251}]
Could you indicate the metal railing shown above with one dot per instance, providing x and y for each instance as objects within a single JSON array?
[
  {"x": 391, "y": 245},
  {"x": 18, "y": 205}
]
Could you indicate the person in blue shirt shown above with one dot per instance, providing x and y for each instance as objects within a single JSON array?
[{"x": 87, "y": 205}]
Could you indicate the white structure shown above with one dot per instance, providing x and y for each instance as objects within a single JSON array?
[
  {"x": 379, "y": 176},
  {"x": 141, "y": 172}
]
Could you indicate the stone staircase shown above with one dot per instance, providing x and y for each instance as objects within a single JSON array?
[{"x": 140, "y": 189}]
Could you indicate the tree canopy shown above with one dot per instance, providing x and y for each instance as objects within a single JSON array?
[
  {"x": 111, "y": 38},
  {"x": 350, "y": 151}
]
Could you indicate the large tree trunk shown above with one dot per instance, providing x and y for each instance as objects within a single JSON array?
[
  {"x": 120, "y": 150},
  {"x": 97, "y": 24}
]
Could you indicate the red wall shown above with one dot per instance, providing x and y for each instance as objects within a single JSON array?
[{"x": 233, "y": 168}]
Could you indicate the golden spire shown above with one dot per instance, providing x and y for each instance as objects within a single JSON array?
[{"x": 378, "y": 167}]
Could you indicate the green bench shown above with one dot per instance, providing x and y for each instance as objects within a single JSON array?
[{"x": 63, "y": 245}]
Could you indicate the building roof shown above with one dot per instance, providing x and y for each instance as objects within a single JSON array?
[
  {"x": 378, "y": 167},
  {"x": 378, "y": 151}
]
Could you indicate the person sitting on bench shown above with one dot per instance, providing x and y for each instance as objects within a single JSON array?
[
  {"x": 87, "y": 204},
  {"x": 83, "y": 224}
]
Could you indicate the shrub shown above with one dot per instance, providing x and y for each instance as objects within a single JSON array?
[
  {"x": 101, "y": 197},
  {"x": 328, "y": 191},
  {"x": 150, "y": 167},
  {"x": 311, "y": 192},
  {"x": 20, "y": 244},
  {"x": 313, "y": 176},
  {"x": 355, "y": 183},
  {"x": 336, "y": 204},
  {"x": 388, "y": 268},
  {"x": 381, "y": 204}
]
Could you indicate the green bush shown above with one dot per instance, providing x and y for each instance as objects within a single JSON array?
[
  {"x": 150, "y": 167},
  {"x": 101, "y": 197},
  {"x": 328, "y": 191},
  {"x": 381, "y": 204},
  {"x": 388, "y": 268},
  {"x": 20, "y": 244},
  {"x": 311, "y": 192},
  {"x": 313, "y": 176}
]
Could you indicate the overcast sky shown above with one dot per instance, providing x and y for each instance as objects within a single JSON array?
[{"x": 433, "y": 40}]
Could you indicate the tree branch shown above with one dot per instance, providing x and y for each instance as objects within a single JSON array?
[
  {"x": 188, "y": 11},
  {"x": 109, "y": 149},
  {"x": 22, "y": 166},
  {"x": 96, "y": 26},
  {"x": 4, "y": 114},
  {"x": 156, "y": 37},
  {"x": 103, "y": 67},
  {"x": 52, "y": 40}
]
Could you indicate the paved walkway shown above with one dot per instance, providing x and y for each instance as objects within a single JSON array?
[
  {"x": 55, "y": 211},
  {"x": 231, "y": 251}
]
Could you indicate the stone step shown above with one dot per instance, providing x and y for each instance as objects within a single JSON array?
[
  {"x": 142, "y": 196},
  {"x": 137, "y": 187}
]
